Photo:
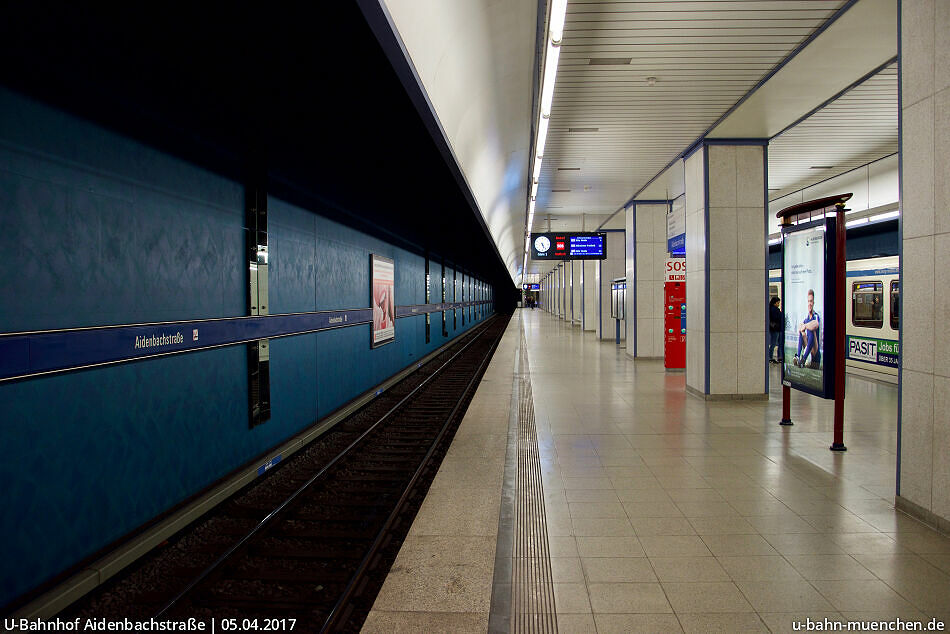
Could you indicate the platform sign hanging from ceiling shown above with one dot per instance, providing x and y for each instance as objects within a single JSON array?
[
  {"x": 676, "y": 227},
  {"x": 569, "y": 246},
  {"x": 382, "y": 300},
  {"x": 808, "y": 261}
]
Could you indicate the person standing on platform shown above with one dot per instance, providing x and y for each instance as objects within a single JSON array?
[{"x": 776, "y": 328}]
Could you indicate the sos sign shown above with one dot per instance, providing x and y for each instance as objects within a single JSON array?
[{"x": 676, "y": 270}]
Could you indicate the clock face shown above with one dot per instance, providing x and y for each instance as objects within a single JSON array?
[{"x": 542, "y": 244}]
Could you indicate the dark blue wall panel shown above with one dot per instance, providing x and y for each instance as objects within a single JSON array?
[{"x": 98, "y": 230}]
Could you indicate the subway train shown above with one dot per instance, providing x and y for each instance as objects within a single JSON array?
[{"x": 872, "y": 315}]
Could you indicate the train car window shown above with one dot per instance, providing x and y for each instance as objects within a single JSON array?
[
  {"x": 895, "y": 304},
  {"x": 867, "y": 304}
]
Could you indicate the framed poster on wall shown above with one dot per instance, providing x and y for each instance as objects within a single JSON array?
[
  {"x": 382, "y": 300},
  {"x": 808, "y": 268}
]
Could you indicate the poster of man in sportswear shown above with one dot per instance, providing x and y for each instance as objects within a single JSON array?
[{"x": 804, "y": 276}]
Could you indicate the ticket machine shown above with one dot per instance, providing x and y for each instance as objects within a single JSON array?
[{"x": 674, "y": 314}]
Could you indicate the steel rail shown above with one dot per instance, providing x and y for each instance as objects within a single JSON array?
[
  {"x": 270, "y": 516},
  {"x": 344, "y": 599}
]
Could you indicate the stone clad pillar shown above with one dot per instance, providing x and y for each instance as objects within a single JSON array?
[
  {"x": 924, "y": 476},
  {"x": 591, "y": 285},
  {"x": 726, "y": 203},
  {"x": 648, "y": 281}
]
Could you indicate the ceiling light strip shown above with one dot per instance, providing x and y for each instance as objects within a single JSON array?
[{"x": 549, "y": 76}]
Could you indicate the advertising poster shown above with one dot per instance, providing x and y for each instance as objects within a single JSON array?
[
  {"x": 382, "y": 300},
  {"x": 676, "y": 227},
  {"x": 803, "y": 304}
]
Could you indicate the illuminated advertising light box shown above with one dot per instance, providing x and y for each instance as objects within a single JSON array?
[
  {"x": 383, "y": 273},
  {"x": 808, "y": 304},
  {"x": 568, "y": 246}
]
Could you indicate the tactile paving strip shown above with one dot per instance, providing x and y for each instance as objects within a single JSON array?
[{"x": 532, "y": 585}]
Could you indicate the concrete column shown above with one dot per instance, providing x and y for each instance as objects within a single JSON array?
[
  {"x": 924, "y": 478},
  {"x": 591, "y": 286},
  {"x": 630, "y": 272},
  {"x": 725, "y": 271},
  {"x": 562, "y": 290},
  {"x": 650, "y": 272},
  {"x": 610, "y": 269}
]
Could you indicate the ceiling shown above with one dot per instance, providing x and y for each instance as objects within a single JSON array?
[
  {"x": 857, "y": 128},
  {"x": 638, "y": 82}
]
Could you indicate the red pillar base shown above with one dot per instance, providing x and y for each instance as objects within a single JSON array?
[
  {"x": 838, "y": 447},
  {"x": 786, "y": 406}
]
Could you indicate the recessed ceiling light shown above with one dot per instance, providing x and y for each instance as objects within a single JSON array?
[
  {"x": 609, "y": 61},
  {"x": 821, "y": 167},
  {"x": 562, "y": 191},
  {"x": 583, "y": 129},
  {"x": 568, "y": 169}
]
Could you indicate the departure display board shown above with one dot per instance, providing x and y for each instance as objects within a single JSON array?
[{"x": 568, "y": 246}]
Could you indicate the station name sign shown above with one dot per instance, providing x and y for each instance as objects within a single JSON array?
[{"x": 569, "y": 246}]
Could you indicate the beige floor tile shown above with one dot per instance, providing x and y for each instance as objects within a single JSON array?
[
  {"x": 640, "y": 623},
  {"x": 804, "y": 544},
  {"x": 662, "y": 526},
  {"x": 721, "y": 525},
  {"x": 638, "y": 484},
  {"x": 829, "y": 567},
  {"x": 861, "y": 595},
  {"x": 686, "y": 569},
  {"x": 866, "y": 544},
  {"x": 627, "y": 598},
  {"x": 725, "y": 623},
  {"x": 562, "y": 546},
  {"x": 618, "y": 569},
  {"x": 737, "y": 545},
  {"x": 924, "y": 542},
  {"x": 656, "y": 508},
  {"x": 609, "y": 547},
  {"x": 707, "y": 509},
  {"x": 587, "y": 483},
  {"x": 605, "y": 510},
  {"x": 787, "y": 595},
  {"x": 839, "y": 523},
  {"x": 640, "y": 496},
  {"x": 695, "y": 495},
  {"x": 591, "y": 496},
  {"x": 705, "y": 597},
  {"x": 756, "y": 568},
  {"x": 602, "y": 527},
  {"x": 674, "y": 546},
  {"x": 566, "y": 570},
  {"x": 571, "y": 598},
  {"x": 576, "y": 624},
  {"x": 937, "y": 560},
  {"x": 776, "y": 524}
]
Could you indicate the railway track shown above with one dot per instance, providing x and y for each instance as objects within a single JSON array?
[{"x": 309, "y": 546}]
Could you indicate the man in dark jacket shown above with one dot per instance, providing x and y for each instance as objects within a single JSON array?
[{"x": 776, "y": 328}]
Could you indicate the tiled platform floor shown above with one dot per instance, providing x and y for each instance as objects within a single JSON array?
[{"x": 668, "y": 513}]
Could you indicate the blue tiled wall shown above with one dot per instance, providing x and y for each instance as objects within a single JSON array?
[{"x": 98, "y": 229}]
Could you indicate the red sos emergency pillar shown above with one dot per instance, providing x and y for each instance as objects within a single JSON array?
[{"x": 674, "y": 315}]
